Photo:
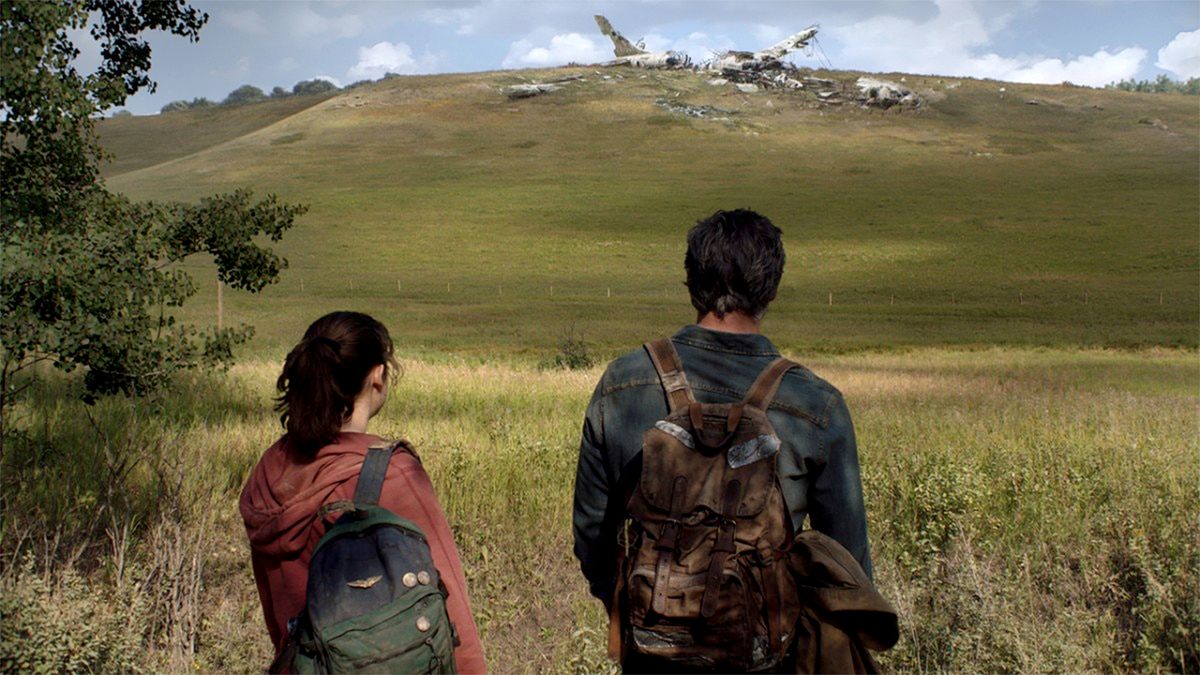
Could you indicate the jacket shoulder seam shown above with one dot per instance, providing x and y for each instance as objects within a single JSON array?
[{"x": 629, "y": 384}]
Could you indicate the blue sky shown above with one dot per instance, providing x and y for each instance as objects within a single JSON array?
[{"x": 282, "y": 42}]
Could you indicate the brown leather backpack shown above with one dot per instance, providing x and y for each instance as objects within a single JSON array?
[{"x": 703, "y": 580}]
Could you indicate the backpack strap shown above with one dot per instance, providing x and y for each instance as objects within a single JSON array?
[
  {"x": 670, "y": 371},
  {"x": 668, "y": 544},
  {"x": 767, "y": 384},
  {"x": 724, "y": 547},
  {"x": 374, "y": 469}
]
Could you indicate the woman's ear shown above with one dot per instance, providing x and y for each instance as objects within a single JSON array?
[{"x": 377, "y": 378}]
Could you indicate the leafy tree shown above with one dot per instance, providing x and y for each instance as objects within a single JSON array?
[
  {"x": 88, "y": 278},
  {"x": 317, "y": 86},
  {"x": 247, "y": 93},
  {"x": 1159, "y": 85},
  {"x": 279, "y": 92}
]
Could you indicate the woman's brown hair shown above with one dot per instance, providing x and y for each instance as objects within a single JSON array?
[{"x": 325, "y": 372}]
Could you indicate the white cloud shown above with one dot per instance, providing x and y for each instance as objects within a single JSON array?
[
  {"x": 307, "y": 23},
  {"x": 328, "y": 78},
  {"x": 386, "y": 57},
  {"x": 562, "y": 49},
  {"x": 245, "y": 20},
  {"x": 1095, "y": 70},
  {"x": 1181, "y": 56},
  {"x": 954, "y": 42}
]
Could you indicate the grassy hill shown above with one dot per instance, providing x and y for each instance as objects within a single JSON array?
[{"x": 472, "y": 223}]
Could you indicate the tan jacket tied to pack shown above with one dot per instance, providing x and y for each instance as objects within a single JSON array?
[{"x": 842, "y": 614}]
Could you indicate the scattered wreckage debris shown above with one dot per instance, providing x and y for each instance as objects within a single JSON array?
[
  {"x": 885, "y": 94},
  {"x": 531, "y": 89},
  {"x": 635, "y": 54},
  {"x": 691, "y": 110}
]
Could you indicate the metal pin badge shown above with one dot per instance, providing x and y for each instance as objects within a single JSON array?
[
  {"x": 423, "y": 577},
  {"x": 409, "y": 579},
  {"x": 422, "y": 624}
]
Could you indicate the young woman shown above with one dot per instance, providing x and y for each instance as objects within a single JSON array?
[{"x": 332, "y": 384}]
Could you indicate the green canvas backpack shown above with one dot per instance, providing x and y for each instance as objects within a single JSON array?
[{"x": 375, "y": 603}]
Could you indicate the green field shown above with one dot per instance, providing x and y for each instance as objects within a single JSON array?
[
  {"x": 1006, "y": 293},
  {"x": 475, "y": 224}
]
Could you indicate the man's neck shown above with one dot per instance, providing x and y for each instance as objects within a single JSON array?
[{"x": 733, "y": 322}]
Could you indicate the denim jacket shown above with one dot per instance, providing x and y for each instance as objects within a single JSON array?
[{"x": 817, "y": 466}]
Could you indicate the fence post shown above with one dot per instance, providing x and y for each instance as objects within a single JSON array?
[
  {"x": 831, "y": 298},
  {"x": 220, "y": 305}
]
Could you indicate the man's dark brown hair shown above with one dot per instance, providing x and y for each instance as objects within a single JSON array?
[{"x": 734, "y": 262}]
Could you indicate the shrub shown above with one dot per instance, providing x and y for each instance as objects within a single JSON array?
[
  {"x": 280, "y": 92},
  {"x": 573, "y": 352},
  {"x": 68, "y": 625},
  {"x": 246, "y": 93},
  {"x": 315, "y": 86}
]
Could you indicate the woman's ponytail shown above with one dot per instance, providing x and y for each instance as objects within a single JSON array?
[{"x": 324, "y": 373}]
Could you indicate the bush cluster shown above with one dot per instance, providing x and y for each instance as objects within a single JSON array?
[{"x": 1159, "y": 85}]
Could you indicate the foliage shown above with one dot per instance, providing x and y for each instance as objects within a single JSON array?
[
  {"x": 89, "y": 278},
  {"x": 247, "y": 93},
  {"x": 279, "y": 92},
  {"x": 314, "y": 86},
  {"x": 175, "y": 106},
  {"x": 67, "y": 625},
  {"x": 573, "y": 352},
  {"x": 1159, "y": 85}
]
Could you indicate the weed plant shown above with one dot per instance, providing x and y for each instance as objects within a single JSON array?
[{"x": 1029, "y": 510}]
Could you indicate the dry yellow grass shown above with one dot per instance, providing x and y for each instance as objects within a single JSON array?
[{"x": 1029, "y": 509}]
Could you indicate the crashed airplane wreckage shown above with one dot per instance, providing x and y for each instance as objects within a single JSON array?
[
  {"x": 747, "y": 71},
  {"x": 635, "y": 54},
  {"x": 733, "y": 63}
]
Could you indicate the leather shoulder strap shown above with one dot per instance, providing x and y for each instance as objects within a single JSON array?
[
  {"x": 374, "y": 469},
  {"x": 767, "y": 384},
  {"x": 670, "y": 371}
]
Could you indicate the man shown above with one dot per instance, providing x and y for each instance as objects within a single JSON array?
[{"x": 734, "y": 262}]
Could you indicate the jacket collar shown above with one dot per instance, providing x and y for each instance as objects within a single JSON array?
[{"x": 749, "y": 344}]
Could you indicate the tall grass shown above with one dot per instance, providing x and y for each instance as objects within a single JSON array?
[{"x": 1028, "y": 510}]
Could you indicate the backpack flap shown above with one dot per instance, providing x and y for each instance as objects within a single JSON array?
[{"x": 666, "y": 454}]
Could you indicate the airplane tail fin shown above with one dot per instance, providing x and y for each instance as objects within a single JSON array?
[{"x": 621, "y": 46}]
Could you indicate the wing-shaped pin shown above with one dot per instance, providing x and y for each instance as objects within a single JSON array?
[{"x": 364, "y": 583}]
